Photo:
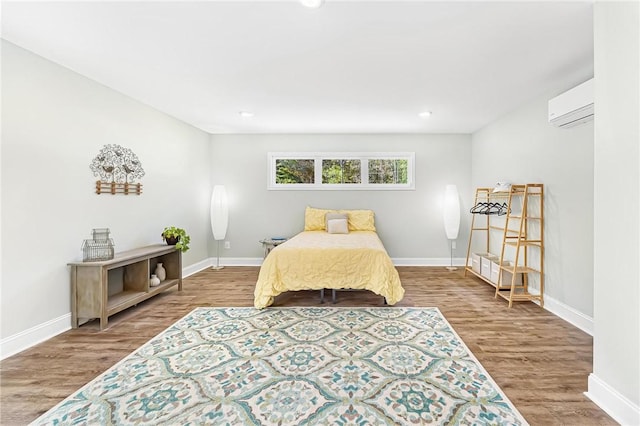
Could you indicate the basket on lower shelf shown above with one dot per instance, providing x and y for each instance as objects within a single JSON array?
[{"x": 101, "y": 247}]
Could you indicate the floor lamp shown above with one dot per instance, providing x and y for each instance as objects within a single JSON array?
[
  {"x": 451, "y": 216},
  {"x": 219, "y": 218}
]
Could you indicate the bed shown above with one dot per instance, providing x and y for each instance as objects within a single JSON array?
[{"x": 317, "y": 259}]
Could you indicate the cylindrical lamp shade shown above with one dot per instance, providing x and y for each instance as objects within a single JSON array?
[
  {"x": 451, "y": 212},
  {"x": 219, "y": 212}
]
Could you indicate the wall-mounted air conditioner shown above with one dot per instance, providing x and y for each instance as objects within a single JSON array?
[{"x": 573, "y": 107}]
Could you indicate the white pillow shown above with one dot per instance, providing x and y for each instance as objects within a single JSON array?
[
  {"x": 337, "y": 226},
  {"x": 334, "y": 215}
]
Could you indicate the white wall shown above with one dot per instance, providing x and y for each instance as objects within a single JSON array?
[
  {"x": 409, "y": 222},
  {"x": 522, "y": 147},
  {"x": 615, "y": 381},
  {"x": 54, "y": 122}
]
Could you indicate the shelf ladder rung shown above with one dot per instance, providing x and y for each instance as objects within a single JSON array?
[
  {"x": 519, "y": 269},
  {"x": 524, "y": 217},
  {"x": 534, "y": 243}
]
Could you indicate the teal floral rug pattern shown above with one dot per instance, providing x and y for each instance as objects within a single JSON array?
[{"x": 295, "y": 366}]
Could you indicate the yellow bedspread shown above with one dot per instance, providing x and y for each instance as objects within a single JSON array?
[{"x": 313, "y": 260}]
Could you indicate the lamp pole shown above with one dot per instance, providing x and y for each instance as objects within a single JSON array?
[
  {"x": 219, "y": 218},
  {"x": 451, "y": 218}
]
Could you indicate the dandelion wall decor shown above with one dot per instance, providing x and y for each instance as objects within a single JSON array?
[{"x": 118, "y": 169}]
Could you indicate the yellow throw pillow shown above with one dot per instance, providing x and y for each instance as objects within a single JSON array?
[
  {"x": 360, "y": 220},
  {"x": 314, "y": 219}
]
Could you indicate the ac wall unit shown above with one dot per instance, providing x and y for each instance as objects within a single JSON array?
[{"x": 573, "y": 107}]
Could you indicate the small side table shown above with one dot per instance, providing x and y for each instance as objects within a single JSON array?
[{"x": 270, "y": 243}]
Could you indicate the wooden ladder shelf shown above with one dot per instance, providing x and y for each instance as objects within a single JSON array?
[{"x": 521, "y": 259}]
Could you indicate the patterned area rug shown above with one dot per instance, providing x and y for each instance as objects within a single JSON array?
[{"x": 298, "y": 366}]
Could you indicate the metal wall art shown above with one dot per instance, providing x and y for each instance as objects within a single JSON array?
[{"x": 118, "y": 169}]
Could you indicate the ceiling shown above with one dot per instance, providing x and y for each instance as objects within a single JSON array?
[{"x": 346, "y": 67}]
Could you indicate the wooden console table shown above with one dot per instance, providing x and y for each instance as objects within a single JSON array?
[{"x": 101, "y": 289}]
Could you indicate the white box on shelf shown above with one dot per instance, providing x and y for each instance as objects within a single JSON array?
[
  {"x": 506, "y": 275},
  {"x": 485, "y": 265},
  {"x": 475, "y": 262},
  {"x": 495, "y": 270}
]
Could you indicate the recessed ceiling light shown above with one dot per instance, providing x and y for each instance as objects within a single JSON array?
[
  {"x": 246, "y": 114},
  {"x": 425, "y": 114},
  {"x": 313, "y": 4}
]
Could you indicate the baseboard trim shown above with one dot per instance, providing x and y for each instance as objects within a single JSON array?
[
  {"x": 34, "y": 335},
  {"x": 612, "y": 402},
  {"x": 397, "y": 261},
  {"x": 569, "y": 314},
  {"x": 197, "y": 267}
]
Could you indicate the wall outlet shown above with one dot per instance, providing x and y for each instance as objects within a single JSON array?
[
  {"x": 227, "y": 244},
  {"x": 453, "y": 245}
]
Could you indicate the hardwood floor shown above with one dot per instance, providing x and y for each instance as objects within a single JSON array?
[{"x": 540, "y": 361}]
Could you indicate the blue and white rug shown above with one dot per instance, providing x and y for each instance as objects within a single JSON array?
[{"x": 296, "y": 366}]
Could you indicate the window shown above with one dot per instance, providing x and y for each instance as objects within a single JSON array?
[
  {"x": 388, "y": 171},
  {"x": 292, "y": 171},
  {"x": 341, "y": 170}
]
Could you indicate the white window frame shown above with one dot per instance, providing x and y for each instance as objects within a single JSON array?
[{"x": 364, "y": 158}]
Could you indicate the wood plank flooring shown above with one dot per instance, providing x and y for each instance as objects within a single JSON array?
[{"x": 540, "y": 361}]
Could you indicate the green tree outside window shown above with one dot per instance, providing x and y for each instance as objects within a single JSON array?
[
  {"x": 388, "y": 171},
  {"x": 341, "y": 171},
  {"x": 295, "y": 171}
]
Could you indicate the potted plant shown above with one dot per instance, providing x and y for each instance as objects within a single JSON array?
[{"x": 176, "y": 236}]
